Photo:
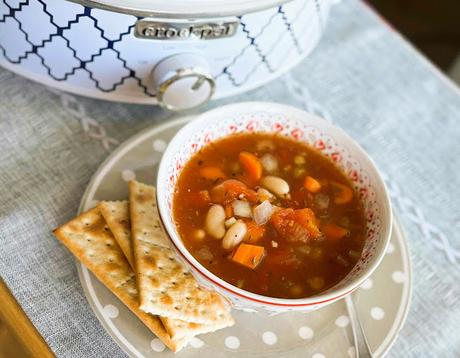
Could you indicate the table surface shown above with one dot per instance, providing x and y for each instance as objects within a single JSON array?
[{"x": 363, "y": 76}]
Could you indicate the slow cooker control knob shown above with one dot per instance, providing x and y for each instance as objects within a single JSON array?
[{"x": 183, "y": 81}]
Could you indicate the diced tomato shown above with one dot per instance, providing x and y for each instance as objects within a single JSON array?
[
  {"x": 298, "y": 225},
  {"x": 254, "y": 232},
  {"x": 230, "y": 190},
  {"x": 306, "y": 217},
  {"x": 204, "y": 195},
  {"x": 299, "y": 199}
]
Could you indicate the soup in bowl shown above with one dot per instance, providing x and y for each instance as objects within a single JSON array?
[{"x": 273, "y": 207}]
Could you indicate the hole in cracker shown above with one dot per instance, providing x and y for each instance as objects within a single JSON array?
[
  {"x": 187, "y": 298},
  {"x": 171, "y": 258},
  {"x": 173, "y": 283},
  {"x": 162, "y": 292},
  {"x": 177, "y": 308},
  {"x": 186, "y": 273}
]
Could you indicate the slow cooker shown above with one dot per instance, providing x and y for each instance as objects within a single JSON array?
[{"x": 176, "y": 53}]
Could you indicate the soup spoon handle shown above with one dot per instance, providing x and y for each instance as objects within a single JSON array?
[{"x": 361, "y": 345}]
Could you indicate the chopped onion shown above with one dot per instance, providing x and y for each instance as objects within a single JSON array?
[
  {"x": 263, "y": 212},
  {"x": 322, "y": 201},
  {"x": 205, "y": 254},
  {"x": 354, "y": 255},
  {"x": 342, "y": 261},
  {"x": 242, "y": 209},
  {"x": 269, "y": 163}
]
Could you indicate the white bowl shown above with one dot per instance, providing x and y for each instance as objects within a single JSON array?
[{"x": 333, "y": 142}]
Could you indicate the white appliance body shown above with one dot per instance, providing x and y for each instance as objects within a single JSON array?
[{"x": 96, "y": 52}]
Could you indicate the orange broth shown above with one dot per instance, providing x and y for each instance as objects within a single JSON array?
[{"x": 298, "y": 252}]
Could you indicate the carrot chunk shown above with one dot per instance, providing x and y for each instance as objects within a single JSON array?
[
  {"x": 254, "y": 232},
  {"x": 212, "y": 173},
  {"x": 312, "y": 185},
  {"x": 251, "y": 165},
  {"x": 228, "y": 211},
  {"x": 342, "y": 193},
  {"x": 232, "y": 189},
  {"x": 333, "y": 231},
  {"x": 249, "y": 255}
]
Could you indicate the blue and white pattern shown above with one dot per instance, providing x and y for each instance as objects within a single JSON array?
[{"x": 94, "y": 52}]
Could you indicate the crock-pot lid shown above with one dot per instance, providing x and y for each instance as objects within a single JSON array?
[{"x": 185, "y": 9}]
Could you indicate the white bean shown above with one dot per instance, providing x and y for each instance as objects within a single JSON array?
[
  {"x": 276, "y": 185},
  {"x": 264, "y": 194},
  {"x": 215, "y": 221},
  {"x": 234, "y": 235},
  {"x": 229, "y": 222}
]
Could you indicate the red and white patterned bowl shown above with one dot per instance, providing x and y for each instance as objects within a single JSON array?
[{"x": 333, "y": 142}]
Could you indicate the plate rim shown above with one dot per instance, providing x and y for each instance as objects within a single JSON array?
[{"x": 111, "y": 329}]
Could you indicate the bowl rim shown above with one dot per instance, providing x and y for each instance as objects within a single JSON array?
[{"x": 321, "y": 298}]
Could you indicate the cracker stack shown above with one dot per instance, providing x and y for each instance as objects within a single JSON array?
[{"x": 125, "y": 247}]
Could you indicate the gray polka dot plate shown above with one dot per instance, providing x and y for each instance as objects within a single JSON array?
[{"x": 382, "y": 301}]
